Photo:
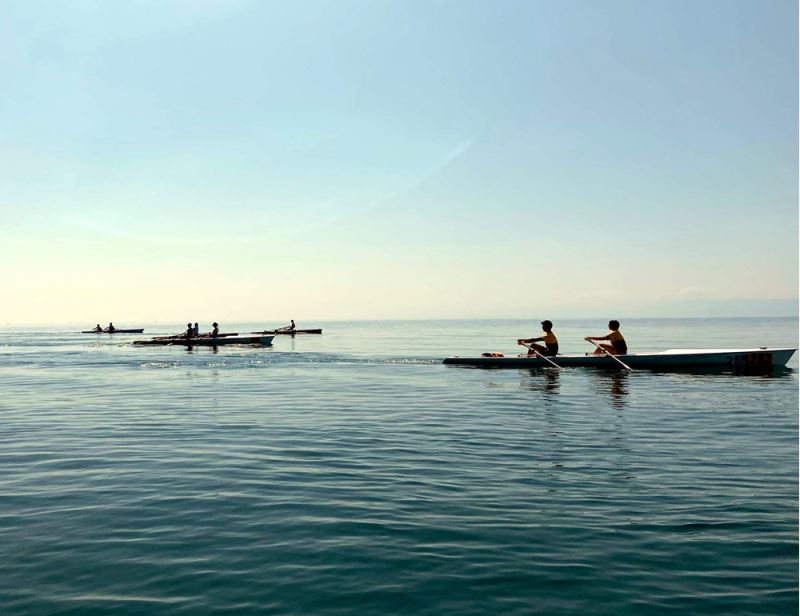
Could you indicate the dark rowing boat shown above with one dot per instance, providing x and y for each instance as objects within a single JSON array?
[
  {"x": 199, "y": 341},
  {"x": 116, "y": 331},
  {"x": 179, "y": 336}
]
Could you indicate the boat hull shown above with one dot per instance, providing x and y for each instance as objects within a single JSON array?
[
  {"x": 190, "y": 342},
  {"x": 116, "y": 331},
  {"x": 761, "y": 359}
]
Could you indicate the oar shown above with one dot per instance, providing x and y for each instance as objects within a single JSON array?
[
  {"x": 612, "y": 356},
  {"x": 552, "y": 363}
]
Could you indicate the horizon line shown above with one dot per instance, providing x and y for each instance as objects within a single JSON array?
[{"x": 123, "y": 323}]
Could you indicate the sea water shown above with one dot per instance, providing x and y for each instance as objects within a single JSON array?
[{"x": 352, "y": 473}]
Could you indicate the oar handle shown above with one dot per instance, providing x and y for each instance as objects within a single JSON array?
[
  {"x": 611, "y": 355},
  {"x": 552, "y": 363}
]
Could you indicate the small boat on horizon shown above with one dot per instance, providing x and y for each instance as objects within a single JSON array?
[
  {"x": 114, "y": 331},
  {"x": 289, "y": 332},
  {"x": 762, "y": 359}
]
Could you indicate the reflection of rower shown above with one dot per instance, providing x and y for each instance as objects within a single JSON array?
[
  {"x": 550, "y": 385},
  {"x": 619, "y": 388},
  {"x": 614, "y": 384}
]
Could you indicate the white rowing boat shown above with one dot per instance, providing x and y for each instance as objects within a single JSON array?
[{"x": 760, "y": 359}]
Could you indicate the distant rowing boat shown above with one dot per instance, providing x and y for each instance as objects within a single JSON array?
[
  {"x": 178, "y": 336},
  {"x": 289, "y": 332},
  {"x": 251, "y": 340},
  {"x": 116, "y": 331},
  {"x": 760, "y": 359}
]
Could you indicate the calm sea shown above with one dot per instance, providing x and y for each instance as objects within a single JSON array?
[{"x": 352, "y": 473}]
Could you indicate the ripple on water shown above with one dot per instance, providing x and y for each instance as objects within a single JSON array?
[{"x": 320, "y": 480}]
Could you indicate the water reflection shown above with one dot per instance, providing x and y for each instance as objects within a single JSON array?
[
  {"x": 543, "y": 380},
  {"x": 704, "y": 377},
  {"x": 201, "y": 348},
  {"x": 613, "y": 383}
]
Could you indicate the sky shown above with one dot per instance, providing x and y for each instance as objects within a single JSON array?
[{"x": 173, "y": 160}]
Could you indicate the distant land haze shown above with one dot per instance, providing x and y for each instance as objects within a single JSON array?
[{"x": 129, "y": 316}]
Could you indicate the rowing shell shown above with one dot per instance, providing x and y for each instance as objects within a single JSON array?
[
  {"x": 254, "y": 340},
  {"x": 675, "y": 359},
  {"x": 116, "y": 331},
  {"x": 179, "y": 336}
]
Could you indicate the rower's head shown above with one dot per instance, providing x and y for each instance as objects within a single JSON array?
[
  {"x": 547, "y": 325},
  {"x": 613, "y": 325},
  {"x": 215, "y": 324},
  {"x": 189, "y": 325}
]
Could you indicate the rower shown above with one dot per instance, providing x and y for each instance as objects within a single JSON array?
[
  {"x": 196, "y": 330},
  {"x": 550, "y": 347},
  {"x": 189, "y": 333},
  {"x": 618, "y": 345},
  {"x": 97, "y": 328},
  {"x": 287, "y": 328},
  {"x": 214, "y": 332},
  {"x": 111, "y": 328}
]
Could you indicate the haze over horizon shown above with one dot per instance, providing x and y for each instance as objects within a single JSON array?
[
  {"x": 723, "y": 310},
  {"x": 243, "y": 160}
]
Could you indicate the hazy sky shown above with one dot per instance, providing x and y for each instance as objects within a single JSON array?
[{"x": 252, "y": 160}]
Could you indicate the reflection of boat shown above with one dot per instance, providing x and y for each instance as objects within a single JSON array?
[
  {"x": 289, "y": 332},
  {"x": 614, "y": 383},
  {"x": 259, "y": 340},
  {"x": 116, "y": 331},
  {"x": 761, "y": 358},
  {"x": 544, "y": 381}
]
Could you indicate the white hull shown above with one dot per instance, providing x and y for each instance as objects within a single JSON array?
[{"x": 675, "y": 359}]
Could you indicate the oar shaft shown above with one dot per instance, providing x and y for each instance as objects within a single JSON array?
[
  {"x": 612, "y": 356},
  {"x": 552, "y": 363}
]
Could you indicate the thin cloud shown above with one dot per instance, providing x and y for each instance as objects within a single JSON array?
[
  {"x": 352, "y": 210},
  {"x": 430, "y": 172},
  {"x": 110, "y": 230}
]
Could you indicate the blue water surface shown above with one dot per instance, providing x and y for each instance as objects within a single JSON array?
[{"x": 353, "y": 473}]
